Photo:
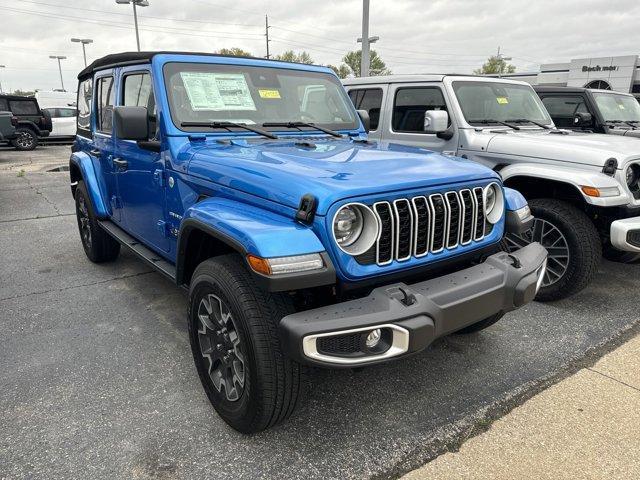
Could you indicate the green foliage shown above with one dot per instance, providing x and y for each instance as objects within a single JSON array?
[
  {"x": 352, "y": 61},
  {"x": 495, "y": 64},
  {"x": 291, "y": 56},
  {"x": 24, "y": 93},
  {"x": 235, "y": 51}
]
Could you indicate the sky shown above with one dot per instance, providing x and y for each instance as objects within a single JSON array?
[{"x": 416, "y": 36}]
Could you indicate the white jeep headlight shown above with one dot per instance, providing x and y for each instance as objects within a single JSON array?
[
  {"x": 355, "y": 228},
  {"x": 493, "y": 203}
]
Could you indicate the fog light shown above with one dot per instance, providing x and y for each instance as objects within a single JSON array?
[{"x": 373, "y": 339}]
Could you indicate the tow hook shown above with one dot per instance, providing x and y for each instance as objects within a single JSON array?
[{"x": 403, "y": 295}]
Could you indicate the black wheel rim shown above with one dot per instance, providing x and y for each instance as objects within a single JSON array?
[
  {"x": 551, "y": 238},
  {"x": 220, "y": 346},
  {"x": 24, "y": 140},
  {"x": 83, "y": 219}
]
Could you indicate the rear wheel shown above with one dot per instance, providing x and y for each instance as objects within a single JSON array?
[
  {"x": 236, "y": 348},
  {"x": 26, "y": 139},
  {"x": 98, "y": 245},
  {"x": 573, "y": 243}
]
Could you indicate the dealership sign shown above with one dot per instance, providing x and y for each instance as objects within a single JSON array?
[{"x": 598, "y": 68}]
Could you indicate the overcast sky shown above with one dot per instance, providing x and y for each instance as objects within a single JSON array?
[{"x": 416, "y": 36}]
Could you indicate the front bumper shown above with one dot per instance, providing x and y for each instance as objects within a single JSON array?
[
  {"x": 625, "y": 234},
  {"x": 410, "y": 317}
]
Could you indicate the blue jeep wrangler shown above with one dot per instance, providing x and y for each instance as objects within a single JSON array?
[{"x": 251, "y": 183}]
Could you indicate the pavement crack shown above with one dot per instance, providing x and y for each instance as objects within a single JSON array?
[
  {"x": 71, "y": 287},
  {"x": 614, "y": 379},
  {"x": 41, "y": 193},
  {"x": 37, "y": 218}
]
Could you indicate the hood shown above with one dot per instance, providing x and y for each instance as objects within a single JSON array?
[
  {"x": 625, "y": 132},
  {"x": 332, "y": 170},
  {"x": 576, "y": 147}
]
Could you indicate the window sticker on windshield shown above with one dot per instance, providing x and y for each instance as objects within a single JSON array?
[
  {"x": 502, "y": 100},
  {"x": 217, "y": 91},
  {"x": 269, "y": 93},
  {"x": 621, "y": 106}
]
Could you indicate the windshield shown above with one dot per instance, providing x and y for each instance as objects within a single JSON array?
[
  {"x": 485, "y": 103},
  {"x": 616, "y": 108},
  {"x": 255, "y": 95}
]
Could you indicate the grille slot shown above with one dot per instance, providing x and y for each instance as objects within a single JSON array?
[{"x": 417, "y": 226}]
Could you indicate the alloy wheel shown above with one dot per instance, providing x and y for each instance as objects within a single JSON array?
[
  {"x": 24, "y": 140},
  {"x": 551, "y": 238},
  {"x": 220, "y": 345},
  {"x": 83, "y": 217}
]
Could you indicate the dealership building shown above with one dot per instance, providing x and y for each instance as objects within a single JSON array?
[{"x": 611, "y": 73}]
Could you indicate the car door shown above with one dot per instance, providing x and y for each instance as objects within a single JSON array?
[
  {"x": 407, "y": 104},
  {"x": 103, "y": 142},
  {"x": 141, "y": 176},
  {"x": 371, "y": 99},
  {"x": 55, "y": 126},
  {"x": 66, "y": 121}
]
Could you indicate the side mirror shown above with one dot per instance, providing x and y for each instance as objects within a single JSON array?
[
  {"x": 131, "y": 123},
  {"x": 582, "y": 119},
  {"x": 435, "y": 121},
  {"x": 366, "y": 121}
]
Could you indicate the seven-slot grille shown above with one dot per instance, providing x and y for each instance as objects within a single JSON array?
[{"x": 420, "y": 225}]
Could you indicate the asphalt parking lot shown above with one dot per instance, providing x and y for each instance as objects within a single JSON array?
[{"x": 97, "y": 379}]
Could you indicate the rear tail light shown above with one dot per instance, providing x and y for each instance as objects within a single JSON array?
[
  {"x": 43, "y": 121},
  {"x": 14, "y": 121}
]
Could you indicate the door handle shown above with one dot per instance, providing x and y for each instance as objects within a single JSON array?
[
  {"x": 120, "y": 164},
  {"x": 95, "y": 152}
]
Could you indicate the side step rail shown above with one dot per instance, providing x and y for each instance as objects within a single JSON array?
[{"x": 149, "y": 256}]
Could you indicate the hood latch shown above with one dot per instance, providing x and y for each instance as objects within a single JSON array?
[
  {"x": 610, "y": 167},
  {"x": 307, "y": 209}
]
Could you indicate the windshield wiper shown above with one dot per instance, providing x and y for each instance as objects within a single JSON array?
[
  {"x": 499, "y": 122},
  {"x": 302, "y": 124},
  {"x": 526, "y": 120},
  {"x": 229, "y": 126}
]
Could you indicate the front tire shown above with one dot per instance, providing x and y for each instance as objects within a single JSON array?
[
  {"x": 573, "y": 243},
  {"x": 236, "y": 348},
  {"x": 26, "y": 139},
  {"x": 98, "y": 245}
]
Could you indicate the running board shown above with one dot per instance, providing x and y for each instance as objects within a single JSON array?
[{"x": 139, "y": 249}]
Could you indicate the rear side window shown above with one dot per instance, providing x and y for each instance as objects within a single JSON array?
[
  {"x": 105, "y": 105},
  {"x": 410, "y": 105},
  {"x": 4, "y": 105},
  {"x": 66, "y": 112},
  {"x": 369, "y": 99},
  {"x": 85, "y": 92},
  {"x": 138, "y": 92},
  {"x": 564, "y": 108},
  {"x": 23, "y": 107}
]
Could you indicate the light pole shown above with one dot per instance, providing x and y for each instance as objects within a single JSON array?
[
  {"x": 83, "y": 41},
  {"x": 58, "y": 57},
  {"x": 366, "y": 40},
  {"x": 2, "y": 66},
  {"x": 136, "y": 3},
  {"x": 503, "y": 58}
]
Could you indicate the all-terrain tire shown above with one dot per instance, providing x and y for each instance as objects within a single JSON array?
[
  {"x": 273, "y": 384},
  {"x": 98, "y": 245},
  {"x": 583, "y": 242},
  {"x": 481, "y": 325},
  {"x": 26, "y": 139}
]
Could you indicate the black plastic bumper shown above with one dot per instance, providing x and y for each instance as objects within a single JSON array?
[{"x": 425, "y": 311}]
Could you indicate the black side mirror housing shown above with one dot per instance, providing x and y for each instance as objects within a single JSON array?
[
  {"x": 131, "y": 123},
  {"x": 582, "y": 119},
  {"x": 366, "y": 121}
]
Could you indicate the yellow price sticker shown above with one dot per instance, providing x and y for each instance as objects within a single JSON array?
[
  {"x": 621, "y": 106},
  {"x": 269, "y": 93},
  {"x": 502, "y": 100}
]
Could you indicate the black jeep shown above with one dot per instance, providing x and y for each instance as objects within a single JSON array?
[{"x": 32, "y": 123}]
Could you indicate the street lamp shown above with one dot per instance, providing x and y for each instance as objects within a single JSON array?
[
  {"x": 365, "y": 59},
  {"x": 58, "y": 57},
  {"x": 2, "y": 66},
  {"x": 83, "y": 41},
  {"x": 504, "y": 58},
  {"x": 136, "y": 3}
]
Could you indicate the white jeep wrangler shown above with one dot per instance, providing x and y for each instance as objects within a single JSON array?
[{"x": 584, "y": 189}]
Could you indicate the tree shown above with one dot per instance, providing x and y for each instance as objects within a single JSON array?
[
  {"x": 235, "y": 51},
  {"x": 291, "y": 56},
  {"x": 495, "y": 64},
  {"x": 24, "y": 93},
  {"x": 353, "y": 60},
  {"x": 342, "y": 71}
]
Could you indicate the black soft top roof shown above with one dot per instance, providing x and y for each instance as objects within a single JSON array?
[
  {"x": 543, "y": 89},
  {"x": 134, "y": 58}
]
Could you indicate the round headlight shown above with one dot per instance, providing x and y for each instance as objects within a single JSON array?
[
  {"x": 493, "y": 203},
  {"x": 355, "y": 228},
  {"x": 633, "y": 175}
]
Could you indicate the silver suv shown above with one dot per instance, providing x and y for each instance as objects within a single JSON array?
[{"x": 584, "y": 189}]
